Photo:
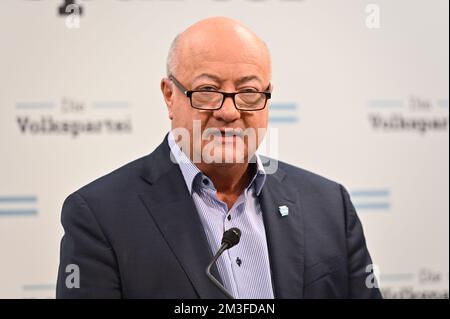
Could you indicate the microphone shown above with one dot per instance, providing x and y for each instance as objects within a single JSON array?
[{"x": 230, "y": 238}]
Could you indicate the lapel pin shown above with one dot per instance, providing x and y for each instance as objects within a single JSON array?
[{"x": 284, "y": 210}]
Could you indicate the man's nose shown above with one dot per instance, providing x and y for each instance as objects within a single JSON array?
[{"x": 228, "y": 112}]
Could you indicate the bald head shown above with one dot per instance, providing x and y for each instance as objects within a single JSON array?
[{"x": 215, "y": 38}]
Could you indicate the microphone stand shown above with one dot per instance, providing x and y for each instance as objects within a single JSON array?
[{"x": 222, "y": 248}]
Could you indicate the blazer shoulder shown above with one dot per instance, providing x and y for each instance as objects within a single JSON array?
[
  {"x": 303, "y": 176},
  {"x": 119, "y": 180}
]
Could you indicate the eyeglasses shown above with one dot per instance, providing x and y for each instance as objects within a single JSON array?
[{"x": 213, "y": 100}]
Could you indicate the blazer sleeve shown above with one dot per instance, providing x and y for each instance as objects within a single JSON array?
[
  {"x": 358, "y": 254},
  {"x": 85, "y": 247}
]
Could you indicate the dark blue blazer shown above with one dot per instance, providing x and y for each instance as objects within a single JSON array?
[{"x": 135, "y": 233}]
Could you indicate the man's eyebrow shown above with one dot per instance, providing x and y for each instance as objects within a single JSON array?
[
  {"x": 248, "y": 79},
  {"x": 209, "y": 76}
]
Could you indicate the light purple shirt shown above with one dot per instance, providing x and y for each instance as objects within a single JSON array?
[{"x": 244, "y": 268}]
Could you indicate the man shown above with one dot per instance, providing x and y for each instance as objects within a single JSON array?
[{"x": 150, "y": 228}]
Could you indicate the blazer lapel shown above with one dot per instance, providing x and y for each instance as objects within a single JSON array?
[
  {"x": 284, "y": 235},
  {"x": 173, "y": 210}
]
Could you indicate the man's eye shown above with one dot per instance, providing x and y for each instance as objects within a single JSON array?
[
  {"x": 208, "y": 88},
  {"x": 248, "y": 90}
]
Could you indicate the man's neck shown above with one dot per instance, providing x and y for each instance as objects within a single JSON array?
[{"x": 228, "y": 178}]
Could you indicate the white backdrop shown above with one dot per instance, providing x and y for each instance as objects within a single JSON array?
[{"x": 361, "y": 97}]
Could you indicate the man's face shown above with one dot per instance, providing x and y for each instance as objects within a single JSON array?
[{"x": 227, "y": 65}]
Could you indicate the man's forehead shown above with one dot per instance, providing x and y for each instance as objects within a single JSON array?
[
  {"x": 225, "y": 61},
  {"x": 219, "y": 79},
  {"x": 229, "y": 51}
]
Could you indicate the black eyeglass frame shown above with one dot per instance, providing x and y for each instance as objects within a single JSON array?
[{"x": 188, "y": 93}]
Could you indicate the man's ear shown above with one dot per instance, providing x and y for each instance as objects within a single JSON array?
[{"x": 167, "y": 91}]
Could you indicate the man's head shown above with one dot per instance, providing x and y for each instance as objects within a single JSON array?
[{"x": 218, "y": 54}]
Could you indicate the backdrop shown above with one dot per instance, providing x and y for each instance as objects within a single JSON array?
[{"x": 360, "y": 96}]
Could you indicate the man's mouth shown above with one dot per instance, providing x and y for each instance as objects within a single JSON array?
[{"x": 229, "y": 132}]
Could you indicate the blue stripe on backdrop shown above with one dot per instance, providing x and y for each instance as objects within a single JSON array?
[
  {"x": 283, "y": 113},
  {"x": 18, "y": 205},
  {"x": 370, "y": 192},
  {"x": 17, "y": 212},
  {"x": 283, "y": 106},
  {"x": 35, "y": 287},
  {"x": 35, "y": 105},
  {"x": 19, "y": 198},
  {"x": 371, "y": 199},
  {"x": 283, "y": 119},
  {"x": 442, "y": 103}
]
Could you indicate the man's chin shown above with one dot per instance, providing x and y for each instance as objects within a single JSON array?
[{"x": 225, "y": 155}]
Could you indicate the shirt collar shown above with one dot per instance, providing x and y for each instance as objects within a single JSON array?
[{"x": 190, "y": 171}]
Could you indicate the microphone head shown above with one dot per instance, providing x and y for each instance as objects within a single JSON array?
[{"x": 231, "y": 237}]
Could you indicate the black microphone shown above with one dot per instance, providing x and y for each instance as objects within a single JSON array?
[{"x": 230, "y": 238}]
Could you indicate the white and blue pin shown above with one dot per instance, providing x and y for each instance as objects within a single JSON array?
[{"x": 284, "y": 210}]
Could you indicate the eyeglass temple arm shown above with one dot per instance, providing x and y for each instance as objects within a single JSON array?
[{"x": 179, "y": 85}]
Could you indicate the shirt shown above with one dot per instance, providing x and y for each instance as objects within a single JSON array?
[{"x": 244, "y": 268}]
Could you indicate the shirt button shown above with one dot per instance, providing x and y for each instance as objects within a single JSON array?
[
  {"x": 239, "y": 261},
  {"x": 229, "y": 217}
]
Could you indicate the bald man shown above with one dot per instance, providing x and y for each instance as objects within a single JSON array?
[{"x": 150, "y": 228}]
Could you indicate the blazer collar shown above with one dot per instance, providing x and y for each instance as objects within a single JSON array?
[
  {"x": 173, "y": 211},
  {"x": 285, "y": 234}
]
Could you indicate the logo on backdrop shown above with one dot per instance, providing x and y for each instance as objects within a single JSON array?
[
  {"x": 70, "y": 6},
  {"x": 416, "y": 115},
  {"x": 73, "y": 118},
  {"x": 428, "y": 284}
]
